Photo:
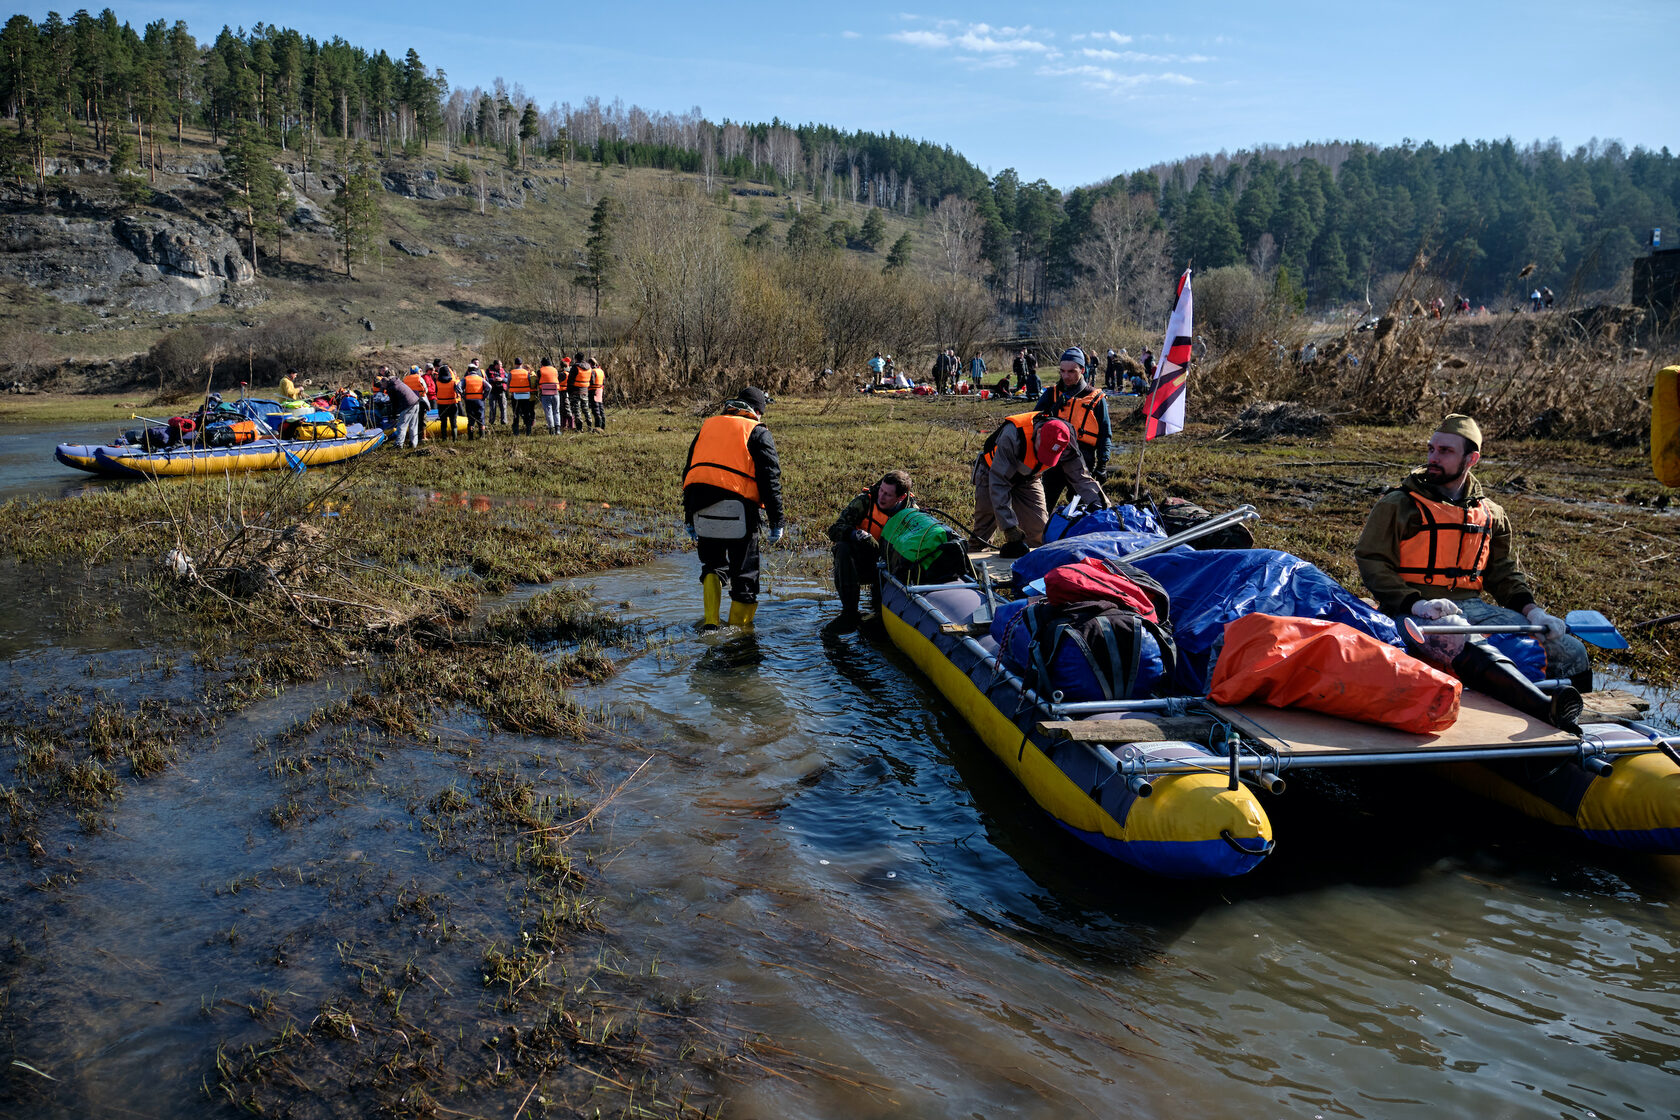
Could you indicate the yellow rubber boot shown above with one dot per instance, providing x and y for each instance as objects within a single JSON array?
[
  {"x": 711, "y": 593},
  {"x": 741, "y": 614}
]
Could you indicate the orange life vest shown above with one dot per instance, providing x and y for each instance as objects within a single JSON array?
[
  {"x": 416, "y": 382},
  {"x": 598, "y": 378},
  {"x": 1080, "y": 412},
  {"x": 875, "y": 520},
  {"x": 520, "y": 382},
  {"x": 474, "y": 386},
  {"x": 720, "y": 457},
  {"x": 1023, "y": 421},
  {"x": 548, "y": 381},
  {"x": 447, "y": 391},
  {"x": 1451, "y": 549},
  {"x": 580, "y": 377}
]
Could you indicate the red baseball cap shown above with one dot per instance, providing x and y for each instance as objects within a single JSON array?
[{"x": 1051, "y": 439}]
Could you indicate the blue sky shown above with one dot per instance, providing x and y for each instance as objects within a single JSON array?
[{"x": 1070, "y": 92}]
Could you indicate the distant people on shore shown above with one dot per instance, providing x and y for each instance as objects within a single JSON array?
[
  {"x": 944, "y": 369},
  {"x": 1025, "y": 369}
]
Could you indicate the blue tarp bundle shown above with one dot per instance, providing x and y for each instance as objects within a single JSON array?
[
  {"x": 1213, "y": 587},
  {"x": 1113, "y": 545},
  {"x": 1132, "y": 519}
]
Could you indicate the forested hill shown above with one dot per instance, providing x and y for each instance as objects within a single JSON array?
[
  {"x": 1341, "y": 212},
  {"x": 93, "y": 78}
]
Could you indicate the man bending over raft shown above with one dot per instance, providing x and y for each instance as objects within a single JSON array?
[
  {"x": 1429, "y": 548},
  {"x": 1008, "y": 493},
  {"x": 857, "y": 540},
  {"x": 732, "y": 473}
]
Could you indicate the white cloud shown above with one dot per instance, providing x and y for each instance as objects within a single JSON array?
[
  {"x": 850, "y": 35},
  {"x": 934, "y": 40},
  {"x": 977, "y": 38},
  {"x": 1106, "y": 55},
  {"x": 1115, "y": 81},
  {"x": 1114, "y": 37}
]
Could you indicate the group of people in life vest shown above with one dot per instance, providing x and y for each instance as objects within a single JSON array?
[
  {"x": 572, "y": 395},
  {"x": 1429, "y": 551}
]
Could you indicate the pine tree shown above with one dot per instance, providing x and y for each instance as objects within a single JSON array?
[
  {"x": 355, "y": 209},
  {"x": 874, "y": 229},
  {"x": 253, "y": 181},
  {"x": 528, "y": 126},
  {"x": 898, "y": 257},
  {"x": 806, "y": 234},
  {"x": 597, "y": 251}
]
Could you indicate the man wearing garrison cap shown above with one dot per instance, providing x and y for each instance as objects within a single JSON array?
[{"x": 1434, "y": 544}]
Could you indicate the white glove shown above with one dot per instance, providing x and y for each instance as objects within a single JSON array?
[
  {"x": 1537, "y": 616},
  {"x": 1433, "y": 609},
  {"x": 776, "y": 534}
]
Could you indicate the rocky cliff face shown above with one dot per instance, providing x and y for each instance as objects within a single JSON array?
[
  {"x": 429, "y": 185},
  {"x": 77, "y": 251}
]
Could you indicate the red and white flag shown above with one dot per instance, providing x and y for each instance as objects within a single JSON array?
[{"x": 1163, "y": 412}]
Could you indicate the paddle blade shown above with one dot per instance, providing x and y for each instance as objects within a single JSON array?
[{"x": 1591, "y": 626}]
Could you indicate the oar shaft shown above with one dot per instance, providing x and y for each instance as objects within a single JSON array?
[
  {"x": 1211, "y": 525},
  {"x": 1605, "y": 636}
]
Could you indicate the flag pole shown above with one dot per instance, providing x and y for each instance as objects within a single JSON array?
[{"x": 1166, "y": 351}]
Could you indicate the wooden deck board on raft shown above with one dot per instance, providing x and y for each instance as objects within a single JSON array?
[
  {"x": 1144, "y": 729},
  {"x": 1482, "y": 723}
]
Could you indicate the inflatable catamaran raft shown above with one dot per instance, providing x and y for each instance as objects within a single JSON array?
[{"x": 1173, "y": 785}]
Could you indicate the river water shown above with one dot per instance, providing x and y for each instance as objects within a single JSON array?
[
  {"x": 837, "y": 866},
  {"x": 830, "y": 853}
]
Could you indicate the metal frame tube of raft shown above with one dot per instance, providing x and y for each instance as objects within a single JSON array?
[{"x": 1181, "y": 825}]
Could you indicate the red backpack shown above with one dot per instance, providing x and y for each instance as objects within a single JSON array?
[{"x": 1093, "y": 579}]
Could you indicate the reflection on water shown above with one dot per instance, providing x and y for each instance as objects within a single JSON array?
[
  {"x": 833, "y": 856},
  {"x": 27, "y": 466}
]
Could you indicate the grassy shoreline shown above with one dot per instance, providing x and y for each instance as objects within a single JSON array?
[{"x": 1591, "y": 522}]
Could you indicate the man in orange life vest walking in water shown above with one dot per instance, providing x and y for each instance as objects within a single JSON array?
[
  {"x": 1429, "y": 549},
  {"x": 857, "y": 540},
  {"x": 732, "y": 473}
]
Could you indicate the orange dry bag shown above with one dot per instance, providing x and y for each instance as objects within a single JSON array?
[{"x": 1332, "y": 668}]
